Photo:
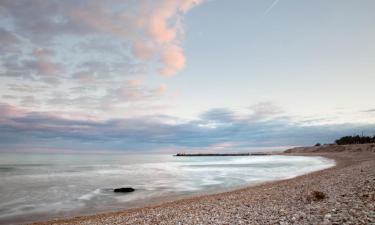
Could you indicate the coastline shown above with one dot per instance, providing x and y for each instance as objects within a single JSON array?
[{"x": 283, "y": 201}]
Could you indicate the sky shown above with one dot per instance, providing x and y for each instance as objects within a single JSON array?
[{"x": 184, "y": 75}]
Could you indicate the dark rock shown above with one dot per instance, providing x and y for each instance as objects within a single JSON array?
[
  {"x": 123, "y": 190},
  {"x": 315, "y": 196},
  {"x": 318, "y": 195}
]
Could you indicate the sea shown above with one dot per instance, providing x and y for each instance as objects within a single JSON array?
[{"x": 36, "y": 187}]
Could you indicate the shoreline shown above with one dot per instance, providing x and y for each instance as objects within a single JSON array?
[
  {"x": 99, "y": 208},
  {"x": 264, "y": 203}
]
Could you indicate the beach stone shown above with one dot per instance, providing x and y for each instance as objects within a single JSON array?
[{"x": 124, "y": 190}]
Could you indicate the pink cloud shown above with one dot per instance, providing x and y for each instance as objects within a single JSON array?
[
  {"x": 173, "y": 59},
  {"x": 98, "y": 16},
  {"x": 134, "y": 83},
  {"x": 7, "y": 110},
  {"x": 153, "y": 30},
  {"x": 44, "y": 64},
  {"x": 133, "y": 91},
  {"x": 186, "y": 5},
  {"x": 162, "y": 25},
  {"x": 157, "y": 25},
  {"x": 143, "y": 49},
  {"x": 161, "y": 89}
]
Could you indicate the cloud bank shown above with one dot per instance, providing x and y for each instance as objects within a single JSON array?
[{"x": 214, "y": 130}]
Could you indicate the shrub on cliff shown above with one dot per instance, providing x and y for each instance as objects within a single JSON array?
[{"x": 349, "y": 140}]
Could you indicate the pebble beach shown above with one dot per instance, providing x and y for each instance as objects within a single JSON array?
[{"x": 343, "y": 194}]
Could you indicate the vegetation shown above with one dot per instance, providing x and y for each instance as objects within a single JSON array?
[{"x": 349, "y": 140}]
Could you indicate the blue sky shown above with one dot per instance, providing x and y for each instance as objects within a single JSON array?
[{"x": 195, "y": 75}]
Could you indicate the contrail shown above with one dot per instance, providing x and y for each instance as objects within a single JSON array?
[{"x": 274, "y": 3}]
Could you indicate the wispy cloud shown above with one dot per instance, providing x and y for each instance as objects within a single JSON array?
[{"x": 269, "y": 9}]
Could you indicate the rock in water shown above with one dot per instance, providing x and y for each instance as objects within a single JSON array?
[{"x": 124, "y": 190}]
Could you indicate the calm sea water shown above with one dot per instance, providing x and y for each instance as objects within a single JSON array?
[{"x": 42, "y": 186}]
